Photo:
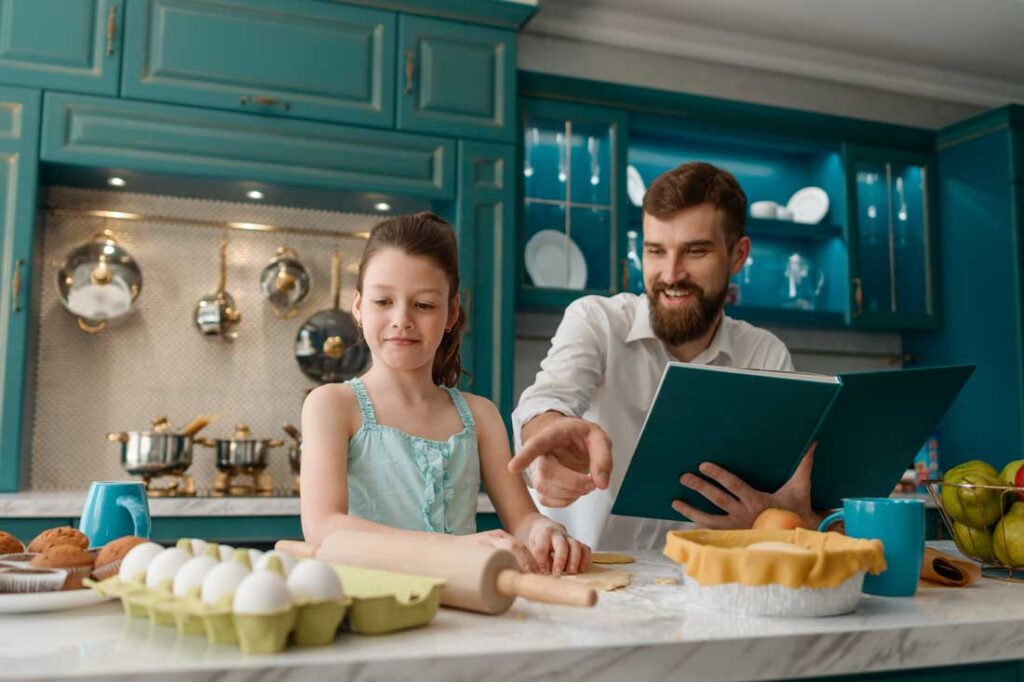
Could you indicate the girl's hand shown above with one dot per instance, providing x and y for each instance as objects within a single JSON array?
[
  {"x": 502, "y": 540},
  {"x": 554, "y": 549}
]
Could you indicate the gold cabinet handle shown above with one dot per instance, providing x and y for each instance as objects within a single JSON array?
[
  {"x": 16, "y": 285},
  {"x": 265, "y": 101},
  {"x": 111, "y": 28},
  {"x": 858, "y": 297},
  {"x": 410, "y": 70}
]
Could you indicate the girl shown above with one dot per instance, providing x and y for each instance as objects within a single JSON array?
[{"x": 400, "y": 449}]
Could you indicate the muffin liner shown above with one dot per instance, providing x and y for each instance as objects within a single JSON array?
[
  {"x": 76, "y": 576},
  {"x": 23, "y": 580},
  {"x": 108, "y": 570},
  {"x": 265, "y": 633},
  {"x": 21, "y": 559},
  {"x": 317, "y": 622}
]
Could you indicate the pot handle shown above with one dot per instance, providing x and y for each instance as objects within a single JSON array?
[
  {"x": 275, "y": 443},
  {"x": 293, "y": 432},
  {"x": 119, "y": 437},
  {"x": 208, "y": 442},
  {"x": 139, "y": 512},
  {"x": 91, "y": 328}
]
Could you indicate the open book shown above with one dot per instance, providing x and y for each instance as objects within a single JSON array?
[{"x": 758, "y": 424}]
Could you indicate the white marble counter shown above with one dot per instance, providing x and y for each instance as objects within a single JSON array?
[
  {"x": 647, "y": 631},
  {"x": 41, "y": 504}
]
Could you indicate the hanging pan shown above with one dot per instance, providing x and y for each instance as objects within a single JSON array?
[
  {"x": 216, "y": 313},
  {"x": 285, "y": 282},
  {"x": 328, "y": 346},
  {"x": 99, "y": 281}
]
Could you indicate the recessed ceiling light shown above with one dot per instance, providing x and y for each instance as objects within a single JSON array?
[
  {"x": 254, "y": 194},
  {"x": 382, "y": 206},
  {"x": 116, "y": 182}
]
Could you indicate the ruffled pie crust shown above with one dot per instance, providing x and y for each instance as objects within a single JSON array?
[{"x": 717, "y": 557}]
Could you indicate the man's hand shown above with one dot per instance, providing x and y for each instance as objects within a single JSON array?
[
  {"x": 743, "y": 504},
  {"x": 567, "y": 458}
]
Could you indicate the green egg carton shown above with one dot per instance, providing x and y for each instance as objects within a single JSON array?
[
  {"x": 128, "y": 592},
  {"x": 385, "y": 601}
]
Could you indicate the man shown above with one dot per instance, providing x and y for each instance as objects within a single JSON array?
[{"x": 576, "y": 426}]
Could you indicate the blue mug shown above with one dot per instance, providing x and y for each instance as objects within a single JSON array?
[
  {"x": 899, "y": 524},
  {"x": 114, "y": 509}
]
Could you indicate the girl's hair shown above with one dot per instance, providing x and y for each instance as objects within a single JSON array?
[{"x": 426, "y": 234}]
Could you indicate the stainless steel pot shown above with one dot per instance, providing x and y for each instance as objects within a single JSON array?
[
  {"x": 157, "y": 451},
  {"x": 285, "y": 282},
  {"x": 99, "y": 281},
  {"x": 241, "y": 451},
  {"x": 216, "y": 313},
  {"x": 295, "y": 448}
]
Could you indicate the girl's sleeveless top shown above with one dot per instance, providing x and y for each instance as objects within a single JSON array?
[{"x": 409, "y": 482}]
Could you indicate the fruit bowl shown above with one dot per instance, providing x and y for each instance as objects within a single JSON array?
[{"x": 986, "y": 522}]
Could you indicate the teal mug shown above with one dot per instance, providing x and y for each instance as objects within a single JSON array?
[
  {"x": 114, "y": 509},
  {"x": 899, "y": 524}
]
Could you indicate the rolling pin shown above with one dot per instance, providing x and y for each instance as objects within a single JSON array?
[{"x": 482, "y": 579}]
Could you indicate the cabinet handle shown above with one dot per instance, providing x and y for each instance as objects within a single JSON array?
[
  {"x": 264, "y": 100},
  {"x": 16, "y": 285},
  {"x": 410, "y": 71},
  {"x": 858, "y": 297},
  {"x": 111, "y": 28}
]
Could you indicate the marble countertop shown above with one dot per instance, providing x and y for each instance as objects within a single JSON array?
[
  {"x": 646, "y": 631},
  {"x": 41, "y": 504}
]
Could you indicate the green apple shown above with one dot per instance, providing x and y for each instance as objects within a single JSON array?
[
  {"x": 974, "y": 507},
  {"x": 974, "y": 542}
]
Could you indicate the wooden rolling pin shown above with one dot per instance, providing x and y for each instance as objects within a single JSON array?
[{"x": 482, "y": 579}]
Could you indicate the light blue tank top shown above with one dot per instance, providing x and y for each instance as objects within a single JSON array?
[{"x": 409, "y": 482}]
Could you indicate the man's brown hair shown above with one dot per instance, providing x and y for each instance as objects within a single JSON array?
[{"x": 696, "y": 183}]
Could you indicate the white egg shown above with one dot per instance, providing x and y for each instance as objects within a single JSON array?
[
  {"x": 192, "y": 573},
  {"x": 314, "y": 579},
  {"x": 166, "y": 565},
  {"x": 254, "y": 556},
  {"x": 287, "y": 562},
  {"x": 261, "y": 592},
  {"x": 221, "y": 580},
  {"x": 198, "y": 546},
  {"x": 136, "y": 561},
  {"x": 226, "y": 552}
]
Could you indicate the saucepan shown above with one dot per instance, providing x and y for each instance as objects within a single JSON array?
[
  {"x": 241, "y": 450},
  {"x": 159, "y": 450}
]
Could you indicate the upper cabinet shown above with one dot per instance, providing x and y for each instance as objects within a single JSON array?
[
  {"x": 70, "y": 45},
  {"x": 892, "y": 239},
  {"x": 572, "y": 170},
  {"x": 456, "y": 79},
  {"x": 295, "y": 58}
]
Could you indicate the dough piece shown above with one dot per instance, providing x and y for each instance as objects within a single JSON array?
[
  {"x": 611, "y": 558},
  {"x": 666, "y": 581},
  {"x": 776, "y": 546},
  {"x": 603, "y": 579}
]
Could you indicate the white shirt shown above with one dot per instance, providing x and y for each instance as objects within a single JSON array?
[{"x": 604, "y": 365}]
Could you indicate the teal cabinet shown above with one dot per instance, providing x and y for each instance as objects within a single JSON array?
[
  {"x": 192, "y": 142},
  {"x": 296, "y": 58},
  {"x": 19, "y": 141},
  {"x": 892, "y": 239},
  {"x": 70, "y": 45},
  {"x": 456, "y": 79},
  {"x": 982, "y": 223},
  {"x": 573, "y": 171},
  {"x": 486, "y": 233}
]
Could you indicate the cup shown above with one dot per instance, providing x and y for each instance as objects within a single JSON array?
[
  {"x": 114, "y": 509},
  {"x": 899, "y": 524}
]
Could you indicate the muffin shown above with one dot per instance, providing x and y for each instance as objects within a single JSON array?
[
  {"x": 75, "y": 560},
  {"x": 22, "y": 580},
  {"x": 65, "y": 535},
  {"x": 108, "y": 559},
  {"x": 10, "y": 544}
]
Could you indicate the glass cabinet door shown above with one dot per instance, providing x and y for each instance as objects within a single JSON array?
[
  {"x": 892, "y": 240},
  {"x": 571, "y": 208}
]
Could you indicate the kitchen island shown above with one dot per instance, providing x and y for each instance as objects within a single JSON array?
[{"x": 647, "y": 631}]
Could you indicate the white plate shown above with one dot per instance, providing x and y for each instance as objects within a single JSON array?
[
  {"x": 550, "y": 266},
  {"x": 809, "y": 205},
  {"x": 37, "y": 602},
  {"x": 635, "y": 187}
]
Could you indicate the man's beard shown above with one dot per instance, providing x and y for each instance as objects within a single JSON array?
[{"x": 676, "y": 326}]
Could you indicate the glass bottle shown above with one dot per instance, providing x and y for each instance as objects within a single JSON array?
[{"x": 634, "y": 264}]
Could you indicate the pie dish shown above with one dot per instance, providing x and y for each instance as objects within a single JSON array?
[
  {"x": 809, "y": 205},
  {"x": 793, "y": 573}
]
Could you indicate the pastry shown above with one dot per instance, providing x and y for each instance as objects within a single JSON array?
[
  {"x": 603, "y": 579},
  {"x": 108, "y": 560},
  {"x": 65, "y": 535},
  {"x": 610, "y": 558},
  {"x": 10, "y": 544},
  {"x": 75, "y": 560},
  {"x": 24, "y": 580}
]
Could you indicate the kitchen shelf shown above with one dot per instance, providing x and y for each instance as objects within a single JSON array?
[
  {"x": 766, "y": 228},
  {"x": 819, "y": 319}
]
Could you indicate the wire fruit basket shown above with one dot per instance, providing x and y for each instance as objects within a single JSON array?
[{"x": 986, "y": 522}]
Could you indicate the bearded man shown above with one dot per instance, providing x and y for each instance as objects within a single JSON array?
[{"x": 575, "y": 428}]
